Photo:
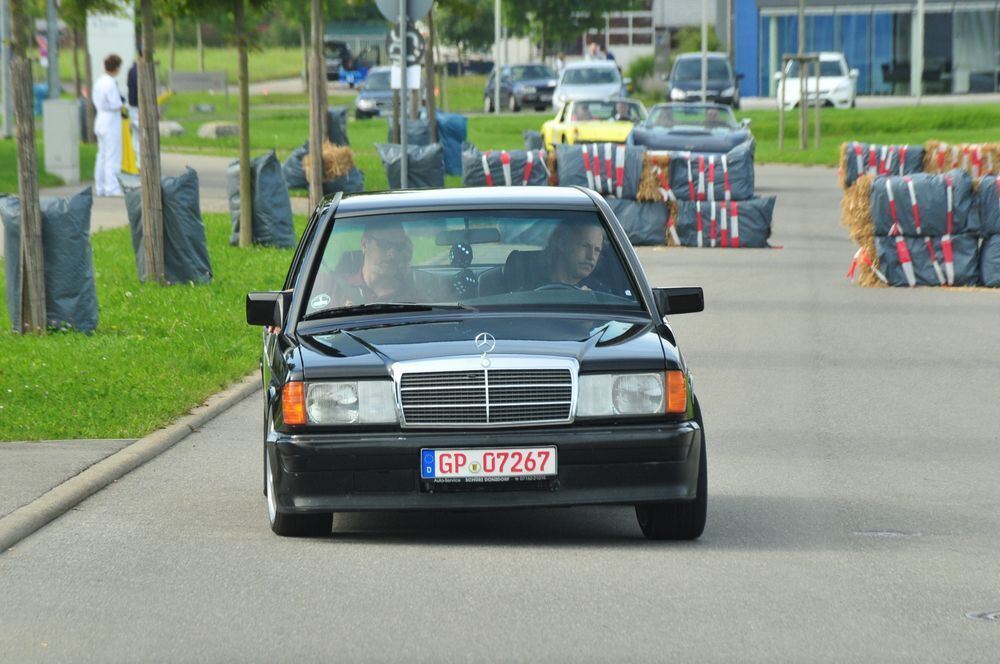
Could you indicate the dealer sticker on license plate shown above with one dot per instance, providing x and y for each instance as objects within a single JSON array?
[{"x": 484, "y": 464}]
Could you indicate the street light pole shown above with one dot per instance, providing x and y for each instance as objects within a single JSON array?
[
  {"x": 496, "y": 60},
  {"x": 704, "y": 51},
  {"x": 404, "y": 106},
  {"x": 52, "y": 20}
]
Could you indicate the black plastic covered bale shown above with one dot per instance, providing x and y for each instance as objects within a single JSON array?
[
  {"x": 336, "y": 125},
  {"x": 741, "y": 224},
  {"x": 272, "y": 208},
  {"x": 965, "y": 252},
  {"x": 644, "y": 223},
  {"x": 708, "y": 176},
  {"x": 587, "y": 165},
  {"x": 533, "y": 140},
  {"x": 931, "y": 193},
  {"x": 70, "y": 291},
  {"x": 425, "y": 165},
  {"x": 989, "y": 262},
  {"x": 418, "y": 131},
  {"x": 988, "y": 204},
  {"x": 295, "y": 175},
  {"x": 873, "y": 159},
  {"x": 526, "y": 168},
  {"x": 185, "y": 248},
  {"x": 453, "y": 131}
]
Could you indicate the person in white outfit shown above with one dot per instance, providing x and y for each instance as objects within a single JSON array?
[{"x": 108, "y": 127}]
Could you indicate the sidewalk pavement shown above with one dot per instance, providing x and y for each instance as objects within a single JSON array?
[{"x": 109, "y": 212}]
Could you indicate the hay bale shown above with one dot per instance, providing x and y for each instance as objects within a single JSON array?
[
  {"x": 649, "y": 184},
  {"x": 550, "y": 163},
  {"x": 338, "y": 161},
  {"x": 856, "y": 210}
]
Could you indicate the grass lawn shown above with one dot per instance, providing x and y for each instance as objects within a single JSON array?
[
  {"x": 8, "y": 166},
  {"x": 157, "y": 352},
  {"x": 264, "y": 65}
]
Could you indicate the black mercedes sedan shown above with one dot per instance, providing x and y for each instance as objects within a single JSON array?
[
  {"x": 475, "y": 348},
  {"x": 709, "y": 128}
]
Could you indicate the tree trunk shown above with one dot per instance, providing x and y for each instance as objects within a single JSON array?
[
  {"x": 88, "y": 78},
  {"x": 201, "y": 48},
  {"x": 305, "y": 56},
  {"x": 149, "y": 148},
  {"x": 173, "y": 43},
  {"x": 76, "y": 62},
  {"x": 316, "y": 92},
  {"x": 429, "y": 66},
  {"x": 32, "y": 258},
  {"x": 246, "y": 195}
]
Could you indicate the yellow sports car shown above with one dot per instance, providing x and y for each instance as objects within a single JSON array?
[{"x": 583, "y": 121}]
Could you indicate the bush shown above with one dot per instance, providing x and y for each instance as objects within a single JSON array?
[{"x": 640, "y": 68}]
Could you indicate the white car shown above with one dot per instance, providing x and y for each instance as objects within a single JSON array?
[
  {"x": 837, "y": 84},
  {"x": 590, "y": 80}
]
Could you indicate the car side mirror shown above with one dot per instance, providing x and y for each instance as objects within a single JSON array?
[
  {"x": 739, "y": 77},
  {"x": 745, "y": 123},
  {"x": 855, "y": 73},
  {"x": 268, "y": 308},
  {"x": 687, "y": 300},
  {"x": 777, "y": 75}
]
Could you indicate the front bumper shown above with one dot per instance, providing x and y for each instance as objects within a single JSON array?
[{"x": 380, "y": 471}]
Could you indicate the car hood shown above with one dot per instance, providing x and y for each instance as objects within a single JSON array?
[
  {"x": 537, "y": 82},
  {"x": 713, "y": 84},
  {"x": 598, "y": 343},
  {"x": 692, "y": 141},
  {"x": 614, "y": 132},
  {"x": 589, "y": 91}
]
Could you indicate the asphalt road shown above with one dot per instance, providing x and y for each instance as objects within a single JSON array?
[{"x": 852, "y": 517}]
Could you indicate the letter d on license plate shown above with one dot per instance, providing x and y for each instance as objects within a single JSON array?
[{"x": 504, "y": 462}]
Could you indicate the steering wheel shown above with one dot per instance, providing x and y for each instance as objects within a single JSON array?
[{"x": 557, "y": 286}]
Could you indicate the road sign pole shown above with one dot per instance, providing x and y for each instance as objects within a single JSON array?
[
  {"x": 5, "y": 83},
  {"x": 404, "y": 106},
  {"x": 496, "y": 58}
]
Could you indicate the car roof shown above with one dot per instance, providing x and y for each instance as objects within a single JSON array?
[
  {"x": 464, "y": 197},
  {"x": 605, "y": 100},
  {"x": 689, "y": 104},
  {"x": 592, "y": 64},
  {"x": 697, "y": 54}
]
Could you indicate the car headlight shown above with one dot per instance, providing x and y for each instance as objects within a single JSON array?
[
  {"x": 604, "y": 395},
  {"x": 365, "y": 104},
  {"x": 678, "y": 95},
  {"x": 346, "y": 402},
  {"x": 729, "y": 92}
]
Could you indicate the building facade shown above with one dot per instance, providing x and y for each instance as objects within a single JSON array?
[{"x": 960, "y": 46}]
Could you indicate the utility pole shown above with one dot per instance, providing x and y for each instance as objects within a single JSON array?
[
  {"x": 803, "y": 67},
  {"x": 403, "y": 94},
  {"x": 52, "y": 29},
  {"x": 497, "y": 68},
  {"x": 917, "y": 72},
  {"x": 317, "y": 87}
]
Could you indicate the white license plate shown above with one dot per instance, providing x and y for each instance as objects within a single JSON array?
[
  {"x": 545, "y": 97},
  {"x": 481, "y": 464}
]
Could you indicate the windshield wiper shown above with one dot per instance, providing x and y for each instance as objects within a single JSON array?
[{"x": 385, "y": 308}]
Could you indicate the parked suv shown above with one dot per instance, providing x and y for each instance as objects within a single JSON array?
[
  {"x": 522, "y": 85},
  {"x": 685, "y": 80}
]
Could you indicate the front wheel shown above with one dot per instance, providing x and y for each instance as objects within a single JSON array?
[
  {"x": 487, "y": 105},
  {"x": 292, "y": 525},
  {"x": 512, "y": 104},
  {"x": 679, "y": 520}
]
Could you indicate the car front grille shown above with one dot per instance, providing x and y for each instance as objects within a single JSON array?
[{"x": 486, "y": 397}]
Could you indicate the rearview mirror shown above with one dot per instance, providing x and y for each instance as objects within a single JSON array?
[
  {"x": 467, "y": 236},
  {"x": 268, "y": 308},
  {"x": 687, "y": 300},
  {"x": 745, "y": 123}
]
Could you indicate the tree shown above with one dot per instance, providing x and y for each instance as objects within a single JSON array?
[
  {"x": 546, "y": 21},
  {"x": 149, "y": 148},
  {"x": 466, "y": 22},
  {"x": 32, "y": 266},
  {"x": 317, "y": 115}
]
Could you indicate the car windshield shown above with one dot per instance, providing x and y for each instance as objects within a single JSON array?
[
  {"x": 529, "y": 72},
  {"x": 826, "y": 68},
  {"x": 689, "y": 69},
  {"x": 681, "y": 117},
  {"x": 590, "y": 76},
  {"x": 480, "y": 259},
  {"x": 377, "y": 81},
  {"x": 616, "y": 111}
]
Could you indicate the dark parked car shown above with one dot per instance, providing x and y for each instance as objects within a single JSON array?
[
  {"x": 685, "y": 80},
  {"x": 522, "y": 85},
  {"x": 691, "y": 127},
  {"x": 475, "y": 348}
]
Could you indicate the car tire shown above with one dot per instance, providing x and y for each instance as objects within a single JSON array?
[
  {"x": 487, "y": 105},
  {"x": 512, "y": 104},
  {"x": 679, "y": 520},
  {"x": 293, "y": 525}
]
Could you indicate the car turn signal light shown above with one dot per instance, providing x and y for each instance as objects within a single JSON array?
[
  {"x": 293, "y": 403},
  {"x": 676, "y": 392}
]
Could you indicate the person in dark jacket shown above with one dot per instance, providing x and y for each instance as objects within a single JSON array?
[{"x": 133, "y": 105}]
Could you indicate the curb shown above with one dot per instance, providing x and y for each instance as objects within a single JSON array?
[{"x": 57, "y": 501}]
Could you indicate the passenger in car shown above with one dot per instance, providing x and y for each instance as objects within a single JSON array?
[{"x": 380, "y": 272}]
